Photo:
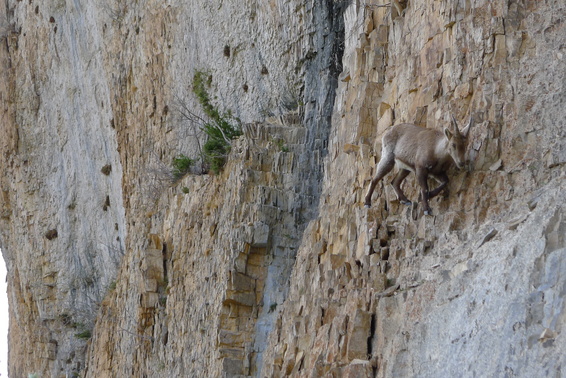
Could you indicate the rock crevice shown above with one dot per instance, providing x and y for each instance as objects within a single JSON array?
[{"x": 273, "y": 267}]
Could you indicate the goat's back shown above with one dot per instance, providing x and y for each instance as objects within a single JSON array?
[
  {"x": 411, "y": 135},
  {"x": 409, "y": 142}
]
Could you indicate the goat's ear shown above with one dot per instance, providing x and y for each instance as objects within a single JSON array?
[{"x": 448, "y": 133}]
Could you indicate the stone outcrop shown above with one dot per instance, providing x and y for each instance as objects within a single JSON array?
[
  {"x": 274, "y": 267},
  {"x": 390, "y": 292}
]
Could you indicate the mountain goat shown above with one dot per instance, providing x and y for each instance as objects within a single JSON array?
[{"x": 425, "y": 152}]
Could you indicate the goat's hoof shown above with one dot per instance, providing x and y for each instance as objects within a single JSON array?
[
  {"x": 367, "y": 206},
  {"x": 428, "y": 212},
  {"x": 406, "y": 202}
]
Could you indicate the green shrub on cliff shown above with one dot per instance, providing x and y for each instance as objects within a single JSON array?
[
  {"x": 220, "y": 131},
  {"x": 84, "y": 335},
  {"x": 181, "y": 166}
]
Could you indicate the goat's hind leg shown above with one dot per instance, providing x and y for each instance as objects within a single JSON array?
[
  {"x": 385, "y": 165},
  {"x": 396, "y": 184}
]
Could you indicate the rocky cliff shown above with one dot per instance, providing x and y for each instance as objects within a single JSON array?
[{"x": 274, "y": 267}]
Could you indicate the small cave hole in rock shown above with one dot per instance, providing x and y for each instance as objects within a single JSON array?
[
  {"x": 106, "y": 169},
  {"x": 51, "y": 234}
]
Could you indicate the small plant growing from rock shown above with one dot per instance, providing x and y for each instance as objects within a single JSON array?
[
  {"x": 84, "y": 335},
  {"x": 163, "y": 300},
  {"x": 65, "y": 319},
  {"x": 181, "y": 166},
  {"x": 112, "y": 286},
  {"x": 220, "y": 131},
  {"x": 281, "y": 145}
]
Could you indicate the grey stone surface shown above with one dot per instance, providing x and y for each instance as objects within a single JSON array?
[{"x": 274, "y": 267}]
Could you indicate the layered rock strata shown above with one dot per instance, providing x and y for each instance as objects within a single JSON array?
[
  {"x": 274, "y": 267},
  {"x": 474, "y": 289},
  {"x": 95, "y": 93}
]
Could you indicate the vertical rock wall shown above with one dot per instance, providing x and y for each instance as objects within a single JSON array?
[
  {"x": 274, "y": 267},
  {"x": 63, "y": 222},
  {"x": 94, "y": 100},
  {"x": 474, "y": 289},
  {"x": 210, "y": 258}
]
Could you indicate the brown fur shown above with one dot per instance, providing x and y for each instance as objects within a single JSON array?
[{"x": 425, "y": 152}]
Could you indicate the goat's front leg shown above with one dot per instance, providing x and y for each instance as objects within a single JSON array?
[
  {"x": 443, "y": 183},
  {"x": 422, "y": 178}
]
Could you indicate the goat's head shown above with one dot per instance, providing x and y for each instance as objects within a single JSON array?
[{"x": 457, "y": 142}]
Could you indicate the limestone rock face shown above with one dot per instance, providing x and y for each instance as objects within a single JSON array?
[
  {"x": 63, "y": 220},
  {"x": 274, "y": 267},
  {"x": 474, "y": 289}
]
